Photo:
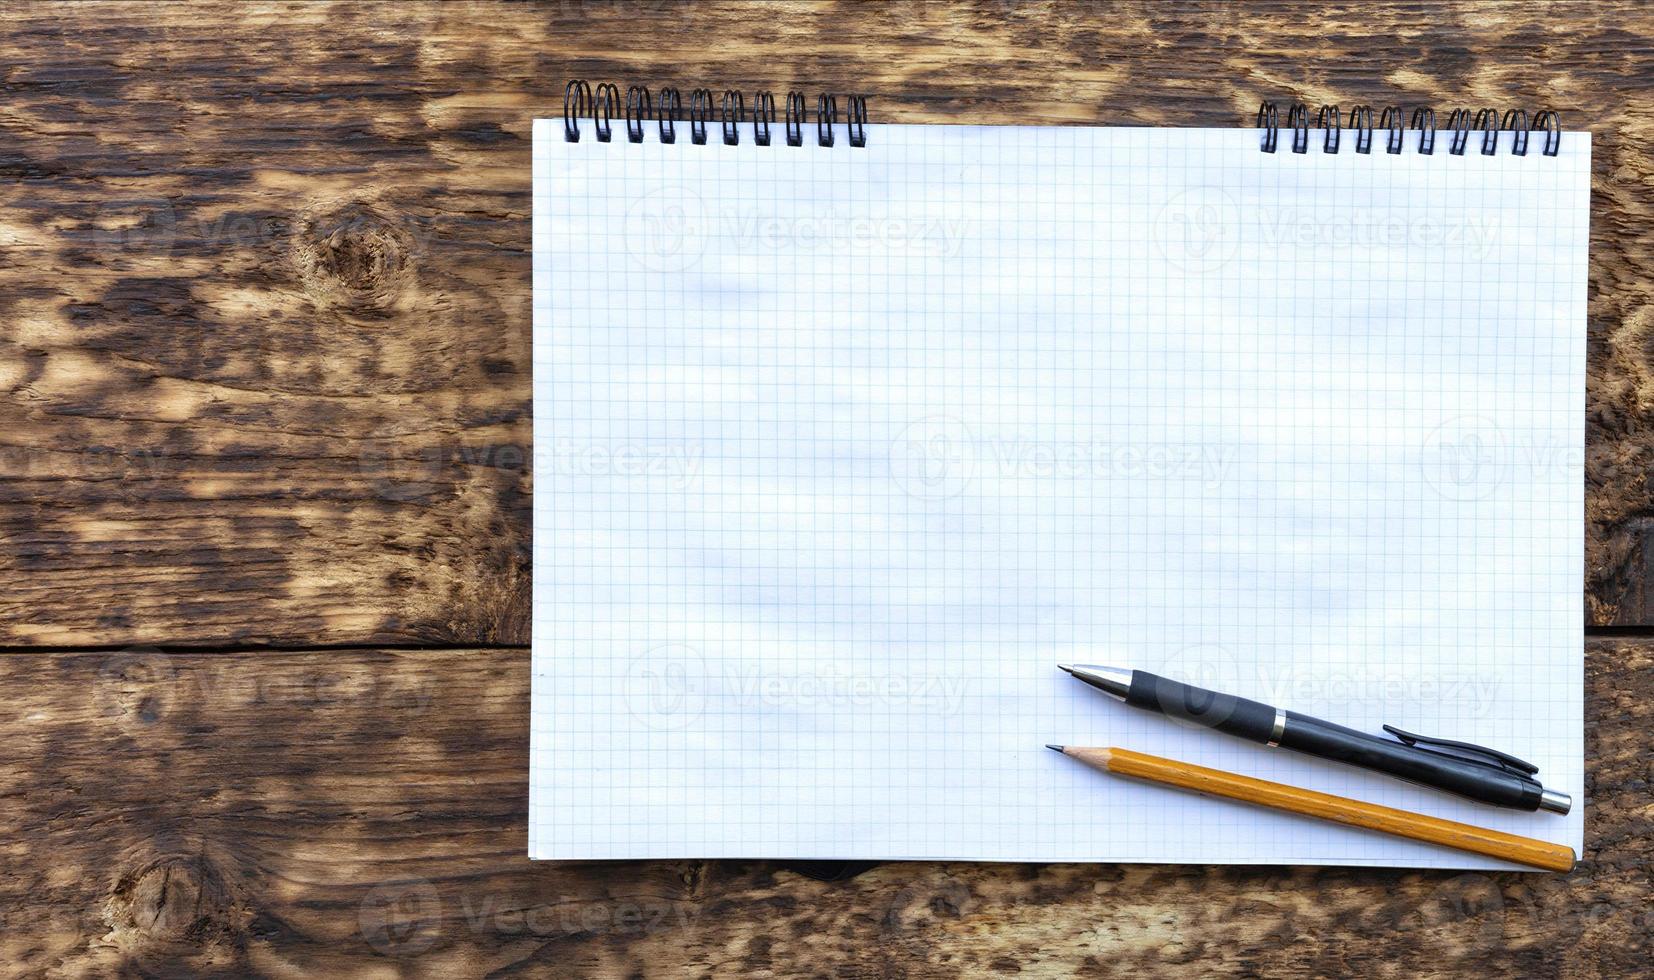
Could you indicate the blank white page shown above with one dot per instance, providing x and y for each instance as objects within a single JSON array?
[{"x": 839, "y": 451}]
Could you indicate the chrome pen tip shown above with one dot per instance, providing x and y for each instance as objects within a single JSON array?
[
  {"x": 1114, "y": 681},
  {"x": 1054, "y": 748}
]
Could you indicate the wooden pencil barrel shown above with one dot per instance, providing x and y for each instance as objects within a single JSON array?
[{"x": 1354, "y": 813}]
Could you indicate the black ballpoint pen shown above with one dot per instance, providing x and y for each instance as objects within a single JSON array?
[{"x": 1481, "y": 774}]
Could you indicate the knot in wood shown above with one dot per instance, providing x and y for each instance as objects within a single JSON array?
[
  {"x": 354, "y": 256},
  {"x": 174, "y": 900}
]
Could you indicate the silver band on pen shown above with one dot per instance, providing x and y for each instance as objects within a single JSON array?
[{"x": 1276, "y": 732}]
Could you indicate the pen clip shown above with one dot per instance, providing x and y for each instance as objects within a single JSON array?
[{"x": 1466, "y": 751}]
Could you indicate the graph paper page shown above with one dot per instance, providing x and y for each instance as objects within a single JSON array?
[{"x": 839, "y": 451}]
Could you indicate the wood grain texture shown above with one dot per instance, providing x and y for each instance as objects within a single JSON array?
[
  {"x": 264, "y": 381},
  {"x": 264, "y": 378},
  {"x": 363, "y": 814}
]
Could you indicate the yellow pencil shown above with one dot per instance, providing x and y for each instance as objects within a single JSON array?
[{"x": 1353, "y": 813}]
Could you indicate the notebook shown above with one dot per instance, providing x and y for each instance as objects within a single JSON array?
[{"x": 847, "y": 433}]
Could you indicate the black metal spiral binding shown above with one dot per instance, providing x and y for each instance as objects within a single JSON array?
[
  {"x": 763, "y": 111},
  {"x": 1424, "y": 120},
  {"x": 795, "y": 118},
  {"x": 1516, "y": 120},
  {"x": 1331, "y": 122},
  {"x": 670, "y": 104},
  {"x": 1269, "y": 122},
  {"x": 700, "y": 113},
  {"x": 1487, "y": 121},
  {"x": 1459, "y": 122},
  {"x": 1361, "y": 120},
  {"x": 730, "y": 115},
  {"x": 577, "y": 101},
  {"x": 1551, "y": 124},
  {"x": 608, "y": 98},
  {"x": 637, "y": 112},
  {"x": 1395, "y": 123},
  {"x": 601, "y": 105},
  {"x": 1297, "y": 118},
  {"x": 1391, "y": 121},
  {"x": 826, "y": 118},
  {"x": 856, "y": 120}
]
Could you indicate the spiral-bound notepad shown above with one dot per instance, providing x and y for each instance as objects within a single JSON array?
[{"x": 840, "y": 449}]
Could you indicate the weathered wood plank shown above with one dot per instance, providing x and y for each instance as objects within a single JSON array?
[
  {"x": 264, "y": 375},
  {"x": 362, "y": 813}
]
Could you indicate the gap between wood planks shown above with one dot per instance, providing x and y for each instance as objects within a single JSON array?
[
  {"x": 1591, "y": 633},
  {"x": 190, "y": 649}
]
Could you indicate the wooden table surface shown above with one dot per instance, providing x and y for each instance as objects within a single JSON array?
[{"x": 265, "y": 488}]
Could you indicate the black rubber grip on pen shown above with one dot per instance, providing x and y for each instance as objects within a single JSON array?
[
  {"x": 1196, "y": 705},
  {"x": 1476, "y": 780}
]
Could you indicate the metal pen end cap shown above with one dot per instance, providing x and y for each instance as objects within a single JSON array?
[{"x": 1555, "y": 802}]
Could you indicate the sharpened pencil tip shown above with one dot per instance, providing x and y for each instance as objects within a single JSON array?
[
  {"x": 1067, "y": 667},
  {"x": 1054, "y": 748}
]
